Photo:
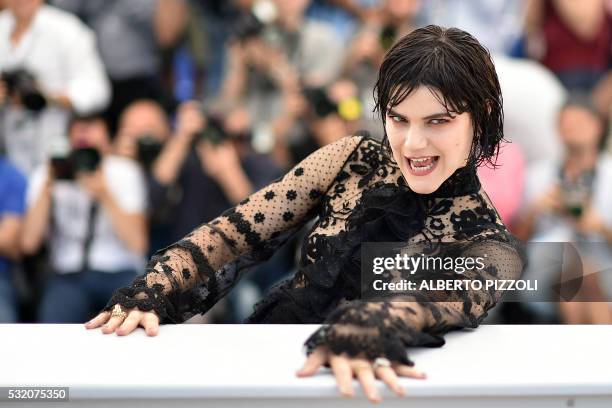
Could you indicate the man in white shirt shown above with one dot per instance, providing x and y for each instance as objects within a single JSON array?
[
  {"x": 92, "y": 211},
  {"x": 59, "y": 52}
]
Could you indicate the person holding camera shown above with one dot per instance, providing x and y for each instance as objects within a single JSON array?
[
  {"x": 568, "y": 200},
  {"x": 207, "y": 162},
  {"x": 49, "y": 66},
  {"x": 315, "y": 117},
  {"x": 133, "y": 38},
  {"x": 204, "y": 168},
  {"x": 275, "y": 47},
  {"x": 89, "y": 207}
]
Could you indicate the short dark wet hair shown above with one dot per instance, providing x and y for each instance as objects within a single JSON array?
[{"x": 452, "y": 62}]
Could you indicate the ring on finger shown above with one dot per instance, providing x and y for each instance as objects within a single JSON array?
[
  {"x": 381, "y": 362},
  {"x": 118, "y": 312}
]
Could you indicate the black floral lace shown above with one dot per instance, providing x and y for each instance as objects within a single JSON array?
[{"x": 357, "y": 194}]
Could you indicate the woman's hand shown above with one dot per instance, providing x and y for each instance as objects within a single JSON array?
[
  {"x": 345, "y": 368},
  {"x": 135, "y": 317}
]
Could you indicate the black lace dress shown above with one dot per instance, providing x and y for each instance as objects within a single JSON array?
[{"x": 357, "y": 193}]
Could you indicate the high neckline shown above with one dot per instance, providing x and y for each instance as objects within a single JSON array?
[{"x": 462, "y": 182}]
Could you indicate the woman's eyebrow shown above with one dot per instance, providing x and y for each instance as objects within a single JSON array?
[
  {"x": 432, "y": 116},
  {"x": 437, "y": 116},
  {"x": 399, "y": 115}
]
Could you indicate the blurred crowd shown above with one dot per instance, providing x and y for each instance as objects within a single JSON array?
[{"x": 124, "y": 124}]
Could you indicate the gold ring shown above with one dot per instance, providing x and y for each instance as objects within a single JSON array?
[{"x": 118, "y": 312}]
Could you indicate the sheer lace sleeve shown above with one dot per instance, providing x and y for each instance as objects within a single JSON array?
[
  {"x": 191, "y": 275},
  {"x": 418, "y": 318}
]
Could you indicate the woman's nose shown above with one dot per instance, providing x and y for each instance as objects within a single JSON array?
[{"x": 414, "y": 140}]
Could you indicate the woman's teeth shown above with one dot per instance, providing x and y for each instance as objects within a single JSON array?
[{"x": 423, "y": 163}]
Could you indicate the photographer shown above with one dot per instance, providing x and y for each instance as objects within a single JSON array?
[
  {"x": 208, "y": 164},
  {"x": 275, "y": 47},
  {"x": 132, "y": 37},
  {"x": 49, "y": 66},
  {"x": 314, "y": 117},
  {"x": 568, "y": 201},
  {"x": 204, "y": 168},
  {"x": 90, "y": 207}
]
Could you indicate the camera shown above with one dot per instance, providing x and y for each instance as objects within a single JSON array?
[
  {"x": 148, "y": 148},
  {"x": 23, "y": 84},
  {"x": 387, "y": 36},
  {"x": 323, "y": 105},
  {"x": 576, "y": 194},
  {"x": 81, "y": 160},
  {"x": 252, "y": 23},
  {"x": 214, "y": 130}
]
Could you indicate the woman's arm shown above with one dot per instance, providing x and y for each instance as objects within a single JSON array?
[
  {"x": 419, "y": 318},
  {"x": 191, "y": 275},
  {"x": 37, "y": 220}
]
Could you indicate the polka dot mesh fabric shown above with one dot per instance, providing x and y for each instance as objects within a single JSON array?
[{"x": 354, "y": 192}]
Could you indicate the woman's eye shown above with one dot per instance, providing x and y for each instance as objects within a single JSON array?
[
  {"x": 438, "y": 121},
  {"x": 396, "y": 119}
]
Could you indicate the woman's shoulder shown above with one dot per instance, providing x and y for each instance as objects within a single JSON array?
[
  {"x": 363, "y": 165},
  {"x": 361, "y": 148},
  {"x": 368, "y": 161}
]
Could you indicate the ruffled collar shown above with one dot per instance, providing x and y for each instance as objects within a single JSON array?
[
  {"x": 462, "y": 182},
  {"x": 395, "y": 212}
]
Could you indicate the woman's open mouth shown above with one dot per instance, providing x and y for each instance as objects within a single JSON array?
[{"x": 421, "y": 166}]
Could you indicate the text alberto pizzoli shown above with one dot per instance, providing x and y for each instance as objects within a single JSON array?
[{"x": 458, "y": 264}]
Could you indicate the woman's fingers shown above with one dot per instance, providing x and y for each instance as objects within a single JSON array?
[
  {"x": 98, "y": 320},
  {"x": 315, "y": 360},
  {"x": 344, "y": 374},
  {"x": 407, "y": 371},
  {"x": 134, "y": 318},
  {"x": 130, "y": 323},
  {"x": 365, "y": 374},
  {"x": 389, "y": 377},
  {"x": 344, "y": 367},
  {"x": 112, "y": 324},
  {"x": 150, "y": 323}
]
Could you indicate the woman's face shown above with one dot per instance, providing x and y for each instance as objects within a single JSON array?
[{"x": 427, "y": 143}]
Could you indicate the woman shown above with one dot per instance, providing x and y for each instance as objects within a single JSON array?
[{"x": 440, "y": 102}]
